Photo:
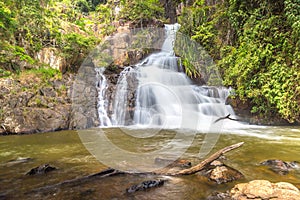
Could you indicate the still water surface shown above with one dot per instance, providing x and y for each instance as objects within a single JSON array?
[{"x": 65, "y": 151}]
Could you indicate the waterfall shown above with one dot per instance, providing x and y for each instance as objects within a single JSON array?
[
  {"x": 165, "y": 96},
  {"x": 121, "y": 100},
  {"x": 101, "y": 86}
]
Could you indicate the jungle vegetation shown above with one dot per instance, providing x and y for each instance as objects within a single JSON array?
[
  {"x": 254, "y": 43},
  {"x": 256, "y": 46}
]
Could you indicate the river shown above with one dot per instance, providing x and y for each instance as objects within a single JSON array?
[{"x": 65, "y": 151}]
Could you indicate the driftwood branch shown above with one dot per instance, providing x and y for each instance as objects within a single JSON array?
[
  {"x": 211, "y": 158},
  {"x": 226, "y": 117}
]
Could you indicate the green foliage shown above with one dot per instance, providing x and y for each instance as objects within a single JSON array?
[
  {"x": 196, "y": 61},
  {"x": 292, "y": 12},
  {"x": 74, "y": 47},
  {"x": 263, "y": 66},
  {"x": 206, "y": 24},
  {"x": 4, "y": 73},
  {"x": 86, "y": 6},
  {"x": 104, "y": 13},
  {"x": 136, "y": 10},
  {"x": 188, "y": 52},
  {"x": 44, "y": 73},
  {"x": 7, "y": 21},
  {"x": 26, "y": 27},
  {"x": 20, "y": 53},
  {"x": 256, "y": 46},
  {"x": 105, "y": 16}
]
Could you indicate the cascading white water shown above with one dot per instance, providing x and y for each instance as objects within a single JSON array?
[
  {"x": 165, "y": 96},
  {"x": 102, "y": 102},
  {"x": 120, "y": 103}
]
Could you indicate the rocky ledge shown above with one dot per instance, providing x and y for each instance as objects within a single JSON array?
[{"x": 30, "y": 105}]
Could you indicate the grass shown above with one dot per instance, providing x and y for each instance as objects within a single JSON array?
[{"x": 37, "y": 76}]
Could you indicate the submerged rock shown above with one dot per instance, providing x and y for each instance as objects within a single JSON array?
[
  {"x": 263, "y": 189},
  {"x": 280, "y": 167},
  {"x": 145, "y": 185},
  {"x": 42, "y": 169}
]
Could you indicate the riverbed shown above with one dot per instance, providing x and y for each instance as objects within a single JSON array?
[{"x": 65, "y": 150}]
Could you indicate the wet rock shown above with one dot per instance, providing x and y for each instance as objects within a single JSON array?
[
  {"x": 145, "y": 185},
  {"x": 42, "y": 169},
  {"x": 224, "y": 174},
  {"x": 132, "y": 82},
  {"x": 263, "y": 190},
  {"x": 220, "y": 173},
  {"x": 281, "y": 167},
  {"x": 84, "y": 112},
  {"x": 219, "y": 196}
]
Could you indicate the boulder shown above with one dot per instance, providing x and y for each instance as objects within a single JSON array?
[
  {"x": 51, "y": 57},
  {"x": 280, "y": 166},
  {"x": 263, "y": 190},
  {"x": 221, "y": 173},
  {"x": 224, "y": 174},
  {"x": 42, "y": 169}
]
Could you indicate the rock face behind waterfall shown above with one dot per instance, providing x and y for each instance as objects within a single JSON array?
[
  {"x": 132, "y": 81},
  {"x": 84, "y": 99}
]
